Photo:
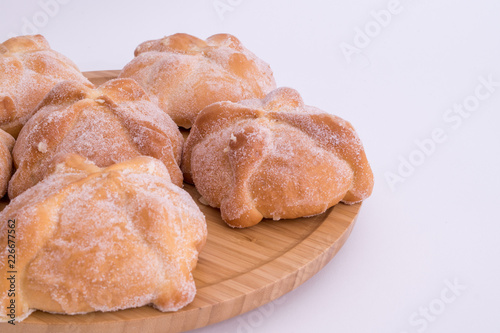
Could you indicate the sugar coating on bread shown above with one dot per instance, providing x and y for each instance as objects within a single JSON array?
[
  {"x": 29, "y": 68},
  {"x": 185, "y": 73},
  {"x": 91, "y": 239},
  {"x": 6, "y": 145},
  {"x": 274, "y": 158},
  {"x": 110, "y": 124}
]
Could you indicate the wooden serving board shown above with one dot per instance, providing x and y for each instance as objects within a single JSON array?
[{"x": 238, "y": 270}]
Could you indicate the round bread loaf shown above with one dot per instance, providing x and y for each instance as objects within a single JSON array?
[
  {"x": 90, "y": 239},
  {"x": 29, "y": 68},
  {"x": 109, "y": 124},
  {"x": 186, "y": 74},
  {"x": 6, "y": 145},
  {"x": 274, "y": 158}
]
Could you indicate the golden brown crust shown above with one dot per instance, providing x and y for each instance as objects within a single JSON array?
[
  {"x": 6, "y": 145},
  {"x": 29, "y": 68},
  {"x": 186, "y": 74},
  {"x": 274, "y": 158},
  {"x": 109, "y": 124},
  {"x": 91, "y": 239}
]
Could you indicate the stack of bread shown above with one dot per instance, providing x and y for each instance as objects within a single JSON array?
[{"x": 95, "y": 177}]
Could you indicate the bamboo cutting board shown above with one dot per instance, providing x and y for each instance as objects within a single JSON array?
[{"x": 238, "y": 270}]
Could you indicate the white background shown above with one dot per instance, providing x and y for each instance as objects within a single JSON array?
[{"x": 438, "y": 224}]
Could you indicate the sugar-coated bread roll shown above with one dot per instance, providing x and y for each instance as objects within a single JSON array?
[
  {"x": 186, "y": 73},
  {"x": 90, "y": 239},
  {"x": 274, "y": 158},
  {"x": 6, "y": 146},
  {"x": 110, "y": 124},
  {"x": 29, "y": 68}
]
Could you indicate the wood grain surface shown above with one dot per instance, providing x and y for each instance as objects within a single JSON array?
[{"x": 238, "y": 270}]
